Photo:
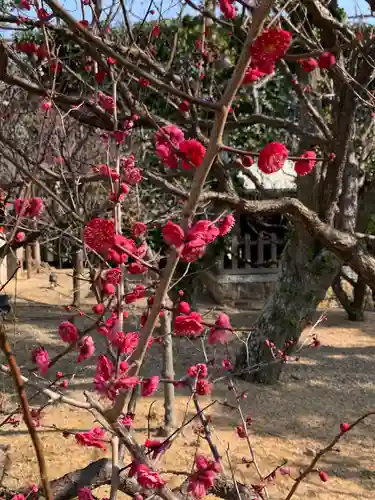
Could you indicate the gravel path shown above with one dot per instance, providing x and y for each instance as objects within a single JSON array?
[{"x": 332, "y": 384}]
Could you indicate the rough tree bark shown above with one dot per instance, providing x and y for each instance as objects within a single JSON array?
[
  {"x": 353, "y": 307},
  {"x": 306, "y": 274},
  {"x": 307, "y": 269},
  {"x": 350, "y": 220}
]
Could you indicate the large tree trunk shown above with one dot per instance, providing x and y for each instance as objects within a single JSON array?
[
  {"x": 353, "y": 307},
  {"x": 307, "y": 269},
  {"x": 306, "y": 274},
  {"x": 349, "y": 221}
]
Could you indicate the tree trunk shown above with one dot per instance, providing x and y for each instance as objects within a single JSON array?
[
  {"x": 168, "y": 365},
  {"x": 29, "y": 261},
  {"x": 359, "y": 300},
  {"x": 307, "y": 269},
  {"x": 36, "y": 256},
  {"x": 349, "y": 221},
  {"x": 354, "y": 308},
  {"x": 99, "y": 473},
  {"x": 77, "y": 272},
  {"x": 307, "y": 272},
  {"x": 168, "y": 373}
]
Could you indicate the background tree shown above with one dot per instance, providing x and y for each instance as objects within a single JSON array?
[{"x": 85, "y": 76}]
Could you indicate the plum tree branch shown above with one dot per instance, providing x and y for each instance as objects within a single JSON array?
[
  {"x": 98, "y": 473},
  {"x": 122, "y": 62},
  {"x": 16, "y": 374},
  {"x": 344, "y": 245},
  {"x": 52, "y": 395},
  {"x": 322, "y": 452},
  {"x": 222, "y": 110},
  {"x": 275, "y": 122},
  {"x": 314, "y": 113}
]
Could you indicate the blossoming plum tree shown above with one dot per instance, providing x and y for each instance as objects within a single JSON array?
[
  {"x": 113, "y": 90},
  {"x": 309, "y": 79}
]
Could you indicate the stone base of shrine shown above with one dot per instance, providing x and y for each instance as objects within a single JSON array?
[
  {"x": 241, "y": 290},
  {"x": 250, "y": 291}
]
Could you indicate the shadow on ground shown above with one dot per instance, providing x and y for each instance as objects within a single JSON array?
[{"x": 301, "y": 413}]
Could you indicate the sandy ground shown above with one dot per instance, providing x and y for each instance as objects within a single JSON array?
[{"x": 329, "y": 385}]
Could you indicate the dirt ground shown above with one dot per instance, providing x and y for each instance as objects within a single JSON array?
[{"x": 291, "y": 420}]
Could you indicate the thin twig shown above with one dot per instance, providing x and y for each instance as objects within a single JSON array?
[{"x": 322, "y": 452}]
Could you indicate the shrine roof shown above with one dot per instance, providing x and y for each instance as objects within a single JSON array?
[{"x": 283, "y": 180}]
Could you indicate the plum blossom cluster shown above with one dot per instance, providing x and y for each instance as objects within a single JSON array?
[
  {"x": 193, "y": 243},
  {"x": 272, "y": 45},
  {"x": 109, "y": 383},
  {"x": 85, "y": 494},
  {"x": 157, "y": 447},
  {"x": 325, "y": 61},
  {"x": 228, "y": 9},
  {"x": 146, "y": 477},
  {"x": 138, "y": 292},
  {"x": 124, "y": 131},
  {"x": 31, "y": 48},
  {"x": 273, "y": 156},
  {"x": 86, "y": 347},
  {"x": 306, "y": 163},
  {"x": 42, "y": 14},
  {"x": 41, "y": 51},
  {"x": 106, "y": 102},
  {"x": 267, "y": 49},
  {"x": 68, "y": 333},
  {"x": 126, "y": 343},
  {"x": 204, "y": 476},
  {"x": 280, "y": 353},
  {"x": 40, "y": 357},
  {"x": 29, "y": 207},
  {"x": 242, "y": 429},
  {"x": 130, "y": 175},
  {"x": 202, "y": 385},
  {"x": 190, "y": 324},
  {"x": 92, "y": 438},
  {"x": 99, "y": 235},
  {"x": 222, "y": 331},
  {"x": 171, "y": 145},
  {"x": 32, "y": 491}
]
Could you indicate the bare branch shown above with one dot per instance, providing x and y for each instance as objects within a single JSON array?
[{"x": 5, "y": 347}]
